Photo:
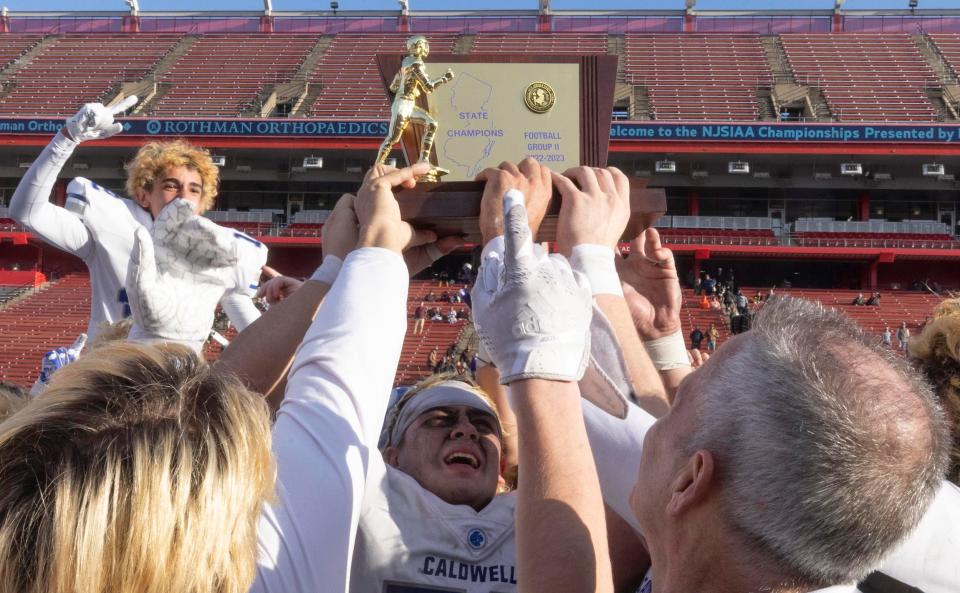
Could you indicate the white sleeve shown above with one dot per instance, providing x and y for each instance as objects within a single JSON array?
[
  {"x": 31, "y": 207},
  {"x": 617, "y": 445},
  {"x": 240, "y": 309},
  {"x": 928, "y": 559},
  {"x": 328, "y": 425}
]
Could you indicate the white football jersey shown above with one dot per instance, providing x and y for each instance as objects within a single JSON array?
[
  {"x": 111, "y": 222},
  {"x": 411, "y": 541}
]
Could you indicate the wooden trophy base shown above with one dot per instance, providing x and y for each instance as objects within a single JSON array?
[{"x": 453, "y": 208}]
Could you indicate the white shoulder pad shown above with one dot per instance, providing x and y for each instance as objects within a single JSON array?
[{"x": 85, "y": 196}]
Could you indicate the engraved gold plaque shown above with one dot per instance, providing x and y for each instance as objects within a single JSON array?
[{"x": 539, "y": 97}]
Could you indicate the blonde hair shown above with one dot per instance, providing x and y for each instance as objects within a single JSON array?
[
  {"x": 109, "y": 333},
  {"x": 156, "y": 157},
  {"x": 138, "y": 469},
  {"x": 12, "y": 398},
  {"x": 937, "y": 351}
]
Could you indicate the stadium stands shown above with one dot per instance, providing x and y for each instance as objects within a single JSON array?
[
  {"x": 439, "y": 334},
  {"x": 898, "y": 240},
  {"x": 350, "y": 82},
  {"x": 949, "y": 46},
  {"x": 52, "y": 317},
  {"x": 225, "y": 74},
  {"x": 540, "y": 43},
  {"x": 12, "y": 46},
  {"x": 75, "y": 69},
  {"x": 698, "y": 77},
  {"x": 864, "y": 77}
]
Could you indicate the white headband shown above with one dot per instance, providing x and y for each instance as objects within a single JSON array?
[{"x": 447, "y": 393}]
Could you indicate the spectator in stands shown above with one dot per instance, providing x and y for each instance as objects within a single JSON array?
[
  {"x": 434, "y": 360},
  {"x": 443, "y": 278},
  {"x": 874, "y": 300},
  {"x": 430, "y": 297},
  {"x": 696, "y": 337},
  {"x": 743, "y": 304},
  {"x": 437, "y": 315},
  {"x": 858, "y": 300},
  {"x": 758, "y": 298},
  {"x": 887, "y": 337},
  {"x": 709, "y": 285},
  {"x": 466, "y": 273},
  {"x": 697, "y": 286},
  {"x": 452, "y": 316},
  {"x": 937, "y": 351},
  {"x": 465, "y": 295},
  {"x": 99, "y": 227},
  {"x": 903, "y": 336},
  {"x": 736, "y": 321},
  {"x": 713, "y": 336},
  {"x": 419, "y": 319},
  {"x": 727, "y": 296}
]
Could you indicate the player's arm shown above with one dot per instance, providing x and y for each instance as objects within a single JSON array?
[
  {"x": 240, "y": 309},
  {"x": 593, "y": 215},
  {"x": 30, "y": 205},
  {"x": 261, "y": 354},
  {"x": 652, "y": 290},
  {"x": 327, "y": 428},
  {"x": 561, "y": 531},
  {"x": 238, "y": 303}
]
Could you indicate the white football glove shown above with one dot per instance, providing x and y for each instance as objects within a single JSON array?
[
  {"x": 170, "y": 301},
  {"x": 532, "y": 312},
  {"x": 95, "y": 122},
  {"x": 56, "y": 359},
  {"x": 190, "y": 242}
]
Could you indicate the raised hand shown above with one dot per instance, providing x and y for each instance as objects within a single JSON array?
[
  {"x": 95, "y": 122},
  {"x": 378, "y": 213},
  {"x": 651, "y": 286},
  {"x": 532, "y": 312},
  {"x": 171, "y": 301},
  {"x": 597, "y": 212},
  {"x": 529, "y": 178},
  {"x": 278, "y": 288}
]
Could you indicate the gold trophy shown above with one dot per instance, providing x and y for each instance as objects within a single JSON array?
[
  {"x": 408, "y": 84},
  {"x": 503, "y": 107}
]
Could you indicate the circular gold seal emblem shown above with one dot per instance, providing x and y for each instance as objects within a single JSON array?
[{"x": 539, "y": 97}]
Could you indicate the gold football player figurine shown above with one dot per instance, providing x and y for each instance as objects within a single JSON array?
[{"x": 408, "y": 84}]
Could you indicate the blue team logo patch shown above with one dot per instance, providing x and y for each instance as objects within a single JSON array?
[{"x": 477, "y": 538}]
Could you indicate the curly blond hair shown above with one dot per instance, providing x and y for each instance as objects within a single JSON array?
[
  {"x": 156, "y": 157},
  {"x": 937, "y": 352}
]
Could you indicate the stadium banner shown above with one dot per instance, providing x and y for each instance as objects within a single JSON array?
[
  {"x": 621, "y": 131},
  {"x": 785, "y": 132}
]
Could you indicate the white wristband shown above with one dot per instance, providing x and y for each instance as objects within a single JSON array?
[
  {"x": 668, "y": 352},
  {"x": 596, "y": 262},
  {"x": 328, "y": 270}
]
